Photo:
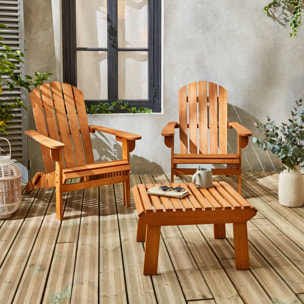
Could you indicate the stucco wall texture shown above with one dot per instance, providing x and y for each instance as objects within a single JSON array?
[{"x": 229, "y": 42}]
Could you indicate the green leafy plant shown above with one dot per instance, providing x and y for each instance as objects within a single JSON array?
[
  {"x": 287, "y": 140},
  {"x": 291, "y": 9},
  {"x": 115, "y": 107},
  {"x": 9, "y": 61}
]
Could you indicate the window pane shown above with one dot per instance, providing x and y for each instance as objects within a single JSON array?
[
  {"x": 132, "y": 23},
  {"x": 91, "y": 23},
  {"x": 133, "y": 75},
  {"x": 92, "y": 71}
]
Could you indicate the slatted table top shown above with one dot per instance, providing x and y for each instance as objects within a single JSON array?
[{"x": 221, "y": 203}]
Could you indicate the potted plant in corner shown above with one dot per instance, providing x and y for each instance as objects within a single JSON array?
[{"x": 287, "y": 142}]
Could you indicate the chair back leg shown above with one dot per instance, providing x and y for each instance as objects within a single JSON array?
[{"x": 172, "y": 177}]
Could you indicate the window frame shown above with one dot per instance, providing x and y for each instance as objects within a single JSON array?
[{"x": 70, "y": 49}]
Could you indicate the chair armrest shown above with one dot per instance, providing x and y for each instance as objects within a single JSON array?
[
  {"x": 168, "y": 133},
  {"x": 240, "y": 130},
  {"x": 168, "y": 130},
  {"x": 127, "y": 139},
  {"x": 44, "y": 140},
  {"x": 121, "y": 134},
  {"x": 243, "y": 134}
]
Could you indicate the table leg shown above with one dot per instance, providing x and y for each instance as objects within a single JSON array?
[
  {"x": 219, "y": 231},
  {"x": 151, "y": 249},
  {"x": 141, "y": 231},
  {"x": 241, "y": 245}
]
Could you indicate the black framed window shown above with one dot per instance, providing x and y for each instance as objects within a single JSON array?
[{"x": 112, "y": 50}]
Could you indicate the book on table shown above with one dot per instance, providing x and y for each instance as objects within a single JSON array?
[{"x": 156, "y": 190}]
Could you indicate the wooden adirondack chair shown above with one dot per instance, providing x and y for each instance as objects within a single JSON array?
[
  {"x": 203, "y": 131},
  {"x": 64, "y": 135}
]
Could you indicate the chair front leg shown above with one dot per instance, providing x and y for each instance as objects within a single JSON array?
[
  {"x": 172, "y": 171},
  {"x": 242, "y": 143},
  {"x": 57, "y": 156},
  {"x": 240, "y": 183},
  {"x": 127, "y": 147},
  {"x": 59, "y": 203},
  {"x": 169, "y": 141},
  {"x": 127, "y": 195}
]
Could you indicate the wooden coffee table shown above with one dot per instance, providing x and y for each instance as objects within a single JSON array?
[{"x": 217, "y": 205}]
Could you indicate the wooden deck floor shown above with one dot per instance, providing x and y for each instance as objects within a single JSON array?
[{"x": 93, "y": 257}]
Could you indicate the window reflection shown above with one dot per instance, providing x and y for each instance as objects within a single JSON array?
[
  {"x": 133, "y": 75},
  {"x": 92, "y": 74},
  {"x": 133, "y": 23},
  {"x": 91, "y": 26}
]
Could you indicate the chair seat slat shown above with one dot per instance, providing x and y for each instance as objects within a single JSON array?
[
  {"x": 207, "y": 161},
  {"x": 212, "y": 156},
  {"x": 95, "y": 169}
]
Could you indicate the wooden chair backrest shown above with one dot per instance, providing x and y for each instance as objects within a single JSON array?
[
  {"x": 60, "y": 113},
  {"x": 203, "y": 118}
]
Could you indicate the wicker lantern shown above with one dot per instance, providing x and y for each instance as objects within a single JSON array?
[{"x": 10, "y": 185}]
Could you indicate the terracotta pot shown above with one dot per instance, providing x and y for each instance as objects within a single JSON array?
[{"x": 291, "y": 186}]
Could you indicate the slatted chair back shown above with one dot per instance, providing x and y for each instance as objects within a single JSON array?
[
  {"x": 203, "y": 118},
  {"x": 59, "y": 113}
]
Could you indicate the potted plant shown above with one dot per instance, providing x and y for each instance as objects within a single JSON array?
[
  {"x": 287, "y": 142},
  {"x": 9, "y": 60}
]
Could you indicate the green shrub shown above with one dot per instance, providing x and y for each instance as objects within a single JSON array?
[
  {"x": 292, "y": 10},
  {"x": 115, "y": 107},
  {"x": 8, "y": 77}
]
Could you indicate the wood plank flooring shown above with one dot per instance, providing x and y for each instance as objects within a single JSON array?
[{"x": 93, "y": 257}]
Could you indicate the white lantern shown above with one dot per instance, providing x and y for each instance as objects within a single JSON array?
[{"x": 10, "y": 185}]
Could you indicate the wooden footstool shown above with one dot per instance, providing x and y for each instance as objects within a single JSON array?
[{"x": 218, "y": 205}]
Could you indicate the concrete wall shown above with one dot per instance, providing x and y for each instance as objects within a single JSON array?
[
  {"x": 229, "y": 42},
  {"x": 40, "y": 56}
]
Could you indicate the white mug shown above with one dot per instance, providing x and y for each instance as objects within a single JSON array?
[{"x": 202, "y": 178}]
